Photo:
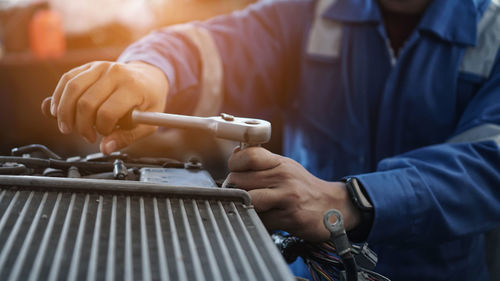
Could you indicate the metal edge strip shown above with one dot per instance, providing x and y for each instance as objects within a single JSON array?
[{"x": 123, "y": 186}]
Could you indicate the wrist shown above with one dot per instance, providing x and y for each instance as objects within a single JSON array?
[
  {"x": 351, "y": 214},
  {"x": 360, "y": 200}
]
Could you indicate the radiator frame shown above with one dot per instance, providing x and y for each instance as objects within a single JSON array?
[{"x": 132, "y": 188}]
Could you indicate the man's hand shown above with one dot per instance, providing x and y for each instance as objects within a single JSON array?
[
  {"x": 95, "y": 96},
  {"x": 287, "y": 196}
]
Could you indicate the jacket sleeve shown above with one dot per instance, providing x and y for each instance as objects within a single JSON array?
[
  {"x": 258, "y": 49},
  {"x": 444, "y": 191}
]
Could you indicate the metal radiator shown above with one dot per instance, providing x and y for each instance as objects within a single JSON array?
[{"x": 76, "y": 229}]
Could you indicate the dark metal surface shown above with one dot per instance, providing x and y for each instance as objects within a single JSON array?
[
  {"x": 79, "y": 229},
  {"x": 177, "y": 177}
]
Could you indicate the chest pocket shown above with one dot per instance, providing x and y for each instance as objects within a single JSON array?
[
  {"x": 320, "y": 72},
  {"x": 478, "y": 61},
  {"x": 325, "y": 35}
]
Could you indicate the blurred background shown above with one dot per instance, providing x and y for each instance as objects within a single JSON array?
[{"x": 41, "y": 40}]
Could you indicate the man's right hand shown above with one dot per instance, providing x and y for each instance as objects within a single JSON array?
[{"x": 95, "y": 96}]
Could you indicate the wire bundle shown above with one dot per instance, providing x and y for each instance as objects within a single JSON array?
[
  {"x": 325, "y": 265},
  {"x": 322, "y": 259},
  {"x": 322, "y": 262}
]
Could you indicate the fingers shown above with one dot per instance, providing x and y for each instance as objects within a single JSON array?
[
  {"x": 114, "y": 108},
  {"x": 45, "y": 107},
  {"x": 253, "y": 180},
  {"x": 277, "y": 219},
  {"x": 119, "y": 139},
  {"x": 92, "y": 98},
  {"x": 72, "y": 91},
  {"x": 266, "y": 199},
  {"x": 253, "y": 158},
  {"x": 88, "y": 104},
  {"x": 56, "y": 96}
]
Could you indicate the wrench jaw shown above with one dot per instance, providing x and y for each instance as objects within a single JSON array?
[{"x": 245, "y": 130}]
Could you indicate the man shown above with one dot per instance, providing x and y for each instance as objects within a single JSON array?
[{"x": 399, "y": 98}]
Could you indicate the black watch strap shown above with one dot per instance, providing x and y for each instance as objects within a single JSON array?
[
  {"x": 357, "y": 195},
  {"x": 361, "y": 201}
]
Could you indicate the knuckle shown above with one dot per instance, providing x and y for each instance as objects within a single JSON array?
[
  {"x": 115, "y": 68},
  {"x": 84, "y": 106},
  {"x": 282, "y": 174},
  {"x": 252, "y": 158},
  {"x": 292, "y": 195},
  {"x": 66, "y": 77},
  {"x": 105, "y": 121},
  {"x": 105, "y": 114},
  {"x": 279, "y": 175},
  {"x": 72, "y": 87},
  {"x": 131, "y": 80}
]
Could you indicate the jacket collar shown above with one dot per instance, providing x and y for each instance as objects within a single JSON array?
[{"x": 451, "y": 20}]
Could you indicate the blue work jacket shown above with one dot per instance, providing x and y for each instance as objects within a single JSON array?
[{"x": 350, "y": 107}]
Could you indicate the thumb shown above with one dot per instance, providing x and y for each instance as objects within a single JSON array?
[
  {"x": 119, "y": 138},
  {"x": 252, "y": 159}
]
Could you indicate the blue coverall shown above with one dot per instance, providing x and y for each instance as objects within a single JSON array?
[{"x": 350, "y": 107}]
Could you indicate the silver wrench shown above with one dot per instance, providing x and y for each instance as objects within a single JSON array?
[{"x": 247, "y": 131}]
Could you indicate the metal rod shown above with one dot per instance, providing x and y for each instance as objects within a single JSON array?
[
  {"x": 110, "y": 268},
  {"x": 161, "y": 245},
  {"x": 14, "y": 274},
  {"x": 173, "y": 120},
  {"x": 223, "y": 247},
  {"x": 129, "y": 269},
  {"x": 255, "y": 252},
  {"x": 37, "y": 266},
  {"x": 181, "y": 271},
  {"x": 92, "y": 269},
  {"x": 54, "y": 270},
  {"x": 244, "y": 261},
  {"x": 216, "y": 275},
  {"x": 14, "y": 233},
  {"x": 195, "y": 256},
  {"x": 2, "y": 195},
  {"x": 75, "y": 259},
  {"x": 146, "y": 270},
  {"x": 8, "y": 211}
]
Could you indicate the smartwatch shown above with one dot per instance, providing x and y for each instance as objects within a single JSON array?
[{"x": 360, "y": 201}]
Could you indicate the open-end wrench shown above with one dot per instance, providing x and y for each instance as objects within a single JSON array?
[{"x": 247, "y": 131}]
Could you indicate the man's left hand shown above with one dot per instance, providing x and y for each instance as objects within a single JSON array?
[{"x": 286, "y": 196}]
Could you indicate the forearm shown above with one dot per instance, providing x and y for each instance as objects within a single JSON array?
[
  {"x": 439, "y": 193},
  {"x": 255, "y": 49}
]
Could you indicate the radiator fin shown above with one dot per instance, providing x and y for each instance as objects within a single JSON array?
[{"x": 63, "y": 235}]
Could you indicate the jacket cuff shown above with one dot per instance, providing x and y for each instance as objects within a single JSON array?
[{"x": 398, "y": 208}]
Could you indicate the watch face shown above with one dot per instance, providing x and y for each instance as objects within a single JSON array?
[{"x": 362, "y": 200}]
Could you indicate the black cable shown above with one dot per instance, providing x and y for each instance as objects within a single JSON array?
[
  {"x": 350, "y": 266},
  {"x": 83, "y": 166},
  {"x": 19, "y": 151}
]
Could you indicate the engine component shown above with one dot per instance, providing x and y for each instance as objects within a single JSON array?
[{"x": 119, "y": 218}]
